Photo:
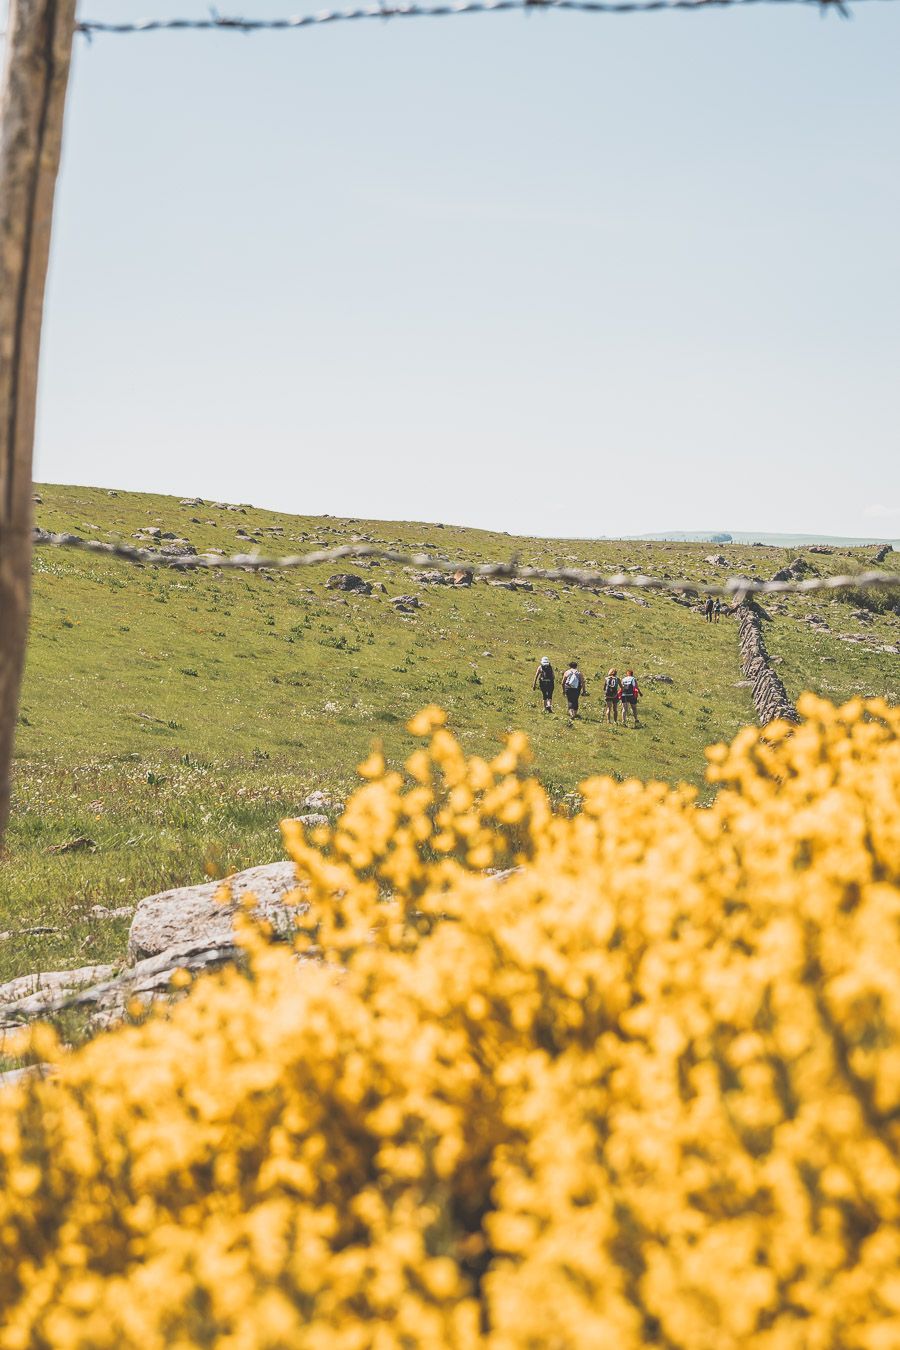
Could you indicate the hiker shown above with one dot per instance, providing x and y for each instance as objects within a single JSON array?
[
  {"x": 544, "y": 679},
  {"x": 611, "y": 687},
  {"x": 573, "y": 687},
  {"x": 717, "y": 610},
  {"x": 708, "y": 609},
  {"x": 629, "y": 695}
]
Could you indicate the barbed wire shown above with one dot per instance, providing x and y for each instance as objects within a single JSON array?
[
  {"x": 734, "y": 588},
  {"x": 400, "y": 10}
]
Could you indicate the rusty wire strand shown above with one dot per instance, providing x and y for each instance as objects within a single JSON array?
[
  {"x": 399, "y": 9},
  {"x": 734, "y": 588}
]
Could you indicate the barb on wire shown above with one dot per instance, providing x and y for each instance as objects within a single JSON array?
[
  {"x": 408, "y": 9},
  {"x": 735, "y": 588}
]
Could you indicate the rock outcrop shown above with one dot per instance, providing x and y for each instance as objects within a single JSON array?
[
  {"x": 193, "y": 914},
  {"x": 186, "y": 928},
  {"x": 795, "y": 571}
]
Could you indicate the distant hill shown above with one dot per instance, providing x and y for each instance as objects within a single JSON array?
[{"x": 761, "y": 537}]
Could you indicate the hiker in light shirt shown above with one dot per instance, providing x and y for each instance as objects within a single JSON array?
[
  {"x": 629, "y": 695},
  {"x": 573, "y": 687}
]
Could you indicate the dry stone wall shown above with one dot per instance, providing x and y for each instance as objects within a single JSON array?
[{"x": 769, "y": 694}]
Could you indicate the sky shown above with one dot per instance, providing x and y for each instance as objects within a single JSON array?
[{"x": 552, "y": 273}]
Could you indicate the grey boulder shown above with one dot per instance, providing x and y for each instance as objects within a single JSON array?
[{"x": 192, "y": 914}]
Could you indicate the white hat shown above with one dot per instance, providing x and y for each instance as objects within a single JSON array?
[{"x": 545, "y": 660}]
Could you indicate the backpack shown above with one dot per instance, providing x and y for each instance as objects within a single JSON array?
[
  {"x": 629, "y": 685},
  {"x": 610, "y": 685},
  {"x": 572, "y": 680}
]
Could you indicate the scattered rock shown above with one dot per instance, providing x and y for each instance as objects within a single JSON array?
[
  {"x": 192, "y": 501},
  {"x": 322, "y": 801},
  {"x": 882, "y": 552},
  {"x": 658, "y": 679},
  {"x": 311, "y": 819},
  {"x": 102, "y": 912},
  {"x": 501, "y": 874},
  {"x": 192, "y": 914},
  {"x": 72, "y": 845},
  {"x": 39, "y": 930},
  {"x": 348, "y": 581},
  {"x": 151, "y": 531},
  {"x": 716, "y": 560},
  {"x": 463, "y": 576},
  {"x": 432, "y": 578}
]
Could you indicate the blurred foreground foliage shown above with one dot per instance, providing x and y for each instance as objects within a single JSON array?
[{"x": 644, "y": 1090}]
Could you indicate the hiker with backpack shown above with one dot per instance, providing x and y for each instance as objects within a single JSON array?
[
  {"x": 611, "y": 687},
  {"x": 629, "y": 695},
  {"x": 544, "y": 679},
  {"x": 573, "y": 687},
  {"x": 717, "y": 610},
  {"x": 708, "y": 609}
]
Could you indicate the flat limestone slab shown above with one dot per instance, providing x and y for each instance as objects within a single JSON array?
[
  {"x": 192, "y": 914},
  {"x": 34, "y": 992}
]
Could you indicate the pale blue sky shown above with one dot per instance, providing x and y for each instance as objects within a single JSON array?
[{"x": 551, "y": 273}]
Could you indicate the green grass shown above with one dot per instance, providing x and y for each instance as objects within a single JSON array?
[{"x": 173, "y": 718}]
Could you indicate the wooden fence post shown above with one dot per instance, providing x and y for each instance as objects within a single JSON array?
[{"x": 38, "y": 51}]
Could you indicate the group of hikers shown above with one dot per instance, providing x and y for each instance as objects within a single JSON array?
[
  {"x": 617, "y": 693},
  {"x": 712, "y": 609}
]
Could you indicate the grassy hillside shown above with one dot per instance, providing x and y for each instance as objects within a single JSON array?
[{"x": 171, "y": 718}]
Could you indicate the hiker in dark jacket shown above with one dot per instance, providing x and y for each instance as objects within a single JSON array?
[
  {"x": 708, "y": 609},
  {"x": 629, "y": 695},
  {"x": 573, "y": 687},
  {"x": 611, "y": 687},
  {"x": 544, "y": 679}
]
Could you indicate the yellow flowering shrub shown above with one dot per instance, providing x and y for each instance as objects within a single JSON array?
[{"x": 644, "y": 1090}]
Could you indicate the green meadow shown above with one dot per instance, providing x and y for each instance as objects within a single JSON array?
[{"x": 170, "y": 719}]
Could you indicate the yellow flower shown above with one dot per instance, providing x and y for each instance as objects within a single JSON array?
[{"x": 605, "y": 1079}]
